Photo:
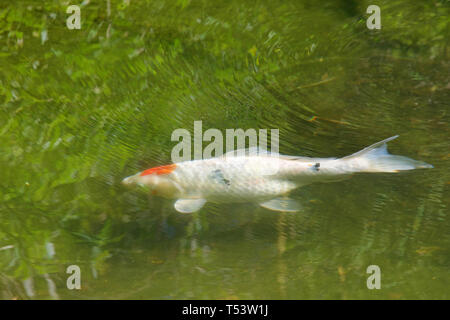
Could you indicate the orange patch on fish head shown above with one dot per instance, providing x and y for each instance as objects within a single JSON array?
[{"x": 159, "y": 170}]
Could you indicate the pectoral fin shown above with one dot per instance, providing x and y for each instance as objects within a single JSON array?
[
  {"x": 282, "y": 204},
  {"x": 189, "y": 205}
]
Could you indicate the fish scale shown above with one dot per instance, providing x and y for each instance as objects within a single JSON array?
[{"x": 234, "y": 179}]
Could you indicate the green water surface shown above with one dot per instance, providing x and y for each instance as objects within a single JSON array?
[{"x": 82, "y": 109}]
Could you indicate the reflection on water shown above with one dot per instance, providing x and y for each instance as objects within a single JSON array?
[{"x": 83, "y": 109}]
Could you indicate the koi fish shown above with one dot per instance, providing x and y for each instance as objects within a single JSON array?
[{"x": 260, "y": 176}]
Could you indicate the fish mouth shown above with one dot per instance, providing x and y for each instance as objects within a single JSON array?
[
  {"x": 132, "y": 182},
  {"x": 128, "y": 181}
]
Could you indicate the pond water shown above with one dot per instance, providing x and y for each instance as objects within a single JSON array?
[{"x": 82, "y": 109}]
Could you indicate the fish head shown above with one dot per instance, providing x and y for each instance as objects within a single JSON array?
[{"x": 156, "y": 180}]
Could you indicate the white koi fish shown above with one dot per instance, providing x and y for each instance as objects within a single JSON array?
[{"x": 260, "y": 176}]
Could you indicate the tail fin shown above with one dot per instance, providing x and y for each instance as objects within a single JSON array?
[{"x": 376, "y": 158}]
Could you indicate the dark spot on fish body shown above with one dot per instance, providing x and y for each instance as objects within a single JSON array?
[
  {"x": 317, "y": 166},
  {"x": 217, "y": 176}
]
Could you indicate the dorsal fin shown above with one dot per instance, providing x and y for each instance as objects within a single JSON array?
[
  {"x": 253, "y": 151},
  {"x": 257, "y": 151},
  {"x": 380, "y": 146}
]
